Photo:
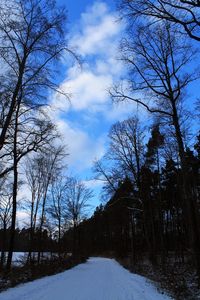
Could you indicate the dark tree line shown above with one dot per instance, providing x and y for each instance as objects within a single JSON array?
[{"x": 146, "y": 222}]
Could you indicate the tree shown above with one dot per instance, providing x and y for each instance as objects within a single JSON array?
[
  {"x": 185, "y": 14},
  {"x": 126, "y": 146},
  {"x": 51, "y": 164},
  {"x": 153, "y": 146},
  {"x": 30, "y": 133},
  {"x": 119, "y": 219},
  {"x": 157, "y": 58},
  {"x": 34, "y": 177},
  {"x": 107, "y": 174},
  {"x": 32, "y": 39},
  {"x": 153, "y": 158},
  {"x": 57, "y": 208},
  {"x": 77, "y": 202},
  {"x": 124, "y": 156},
  {"x": 197, "y": 146},
  {"x": 5, "y": 213},
  {"x": 34, "y": 130}
]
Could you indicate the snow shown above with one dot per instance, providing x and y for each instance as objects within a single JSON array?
[
  {"x": 97, "y": 279},
  {"x": 19, "y": 258}
]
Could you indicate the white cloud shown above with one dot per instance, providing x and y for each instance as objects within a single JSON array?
[
  {"x": 87, "y": 89},
  {"x": 93, "y": 183},
  {"x": 82, "y": 148},
  {"x": 98, "y": 26},
  {"x": 96, "y": 40},
  {"x": 94, "y": 13}
]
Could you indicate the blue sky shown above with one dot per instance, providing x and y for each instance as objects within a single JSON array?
[
  {"x": 94, "y": 33},
  {"x": 77, "y": 7}
]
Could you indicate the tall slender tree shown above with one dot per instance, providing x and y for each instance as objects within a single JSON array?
[{"x": 32, "y": 39}]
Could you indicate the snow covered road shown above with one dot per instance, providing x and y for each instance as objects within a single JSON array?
[{"x": 97, "y": 279}]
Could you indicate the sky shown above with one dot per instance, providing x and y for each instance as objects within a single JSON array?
[{"x": 93, "y": 33}]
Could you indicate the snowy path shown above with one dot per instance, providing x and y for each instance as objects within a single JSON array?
[{"x": 98, "y": 279}]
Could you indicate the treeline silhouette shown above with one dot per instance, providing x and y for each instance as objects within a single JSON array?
[{"x": 146, "y": 222}]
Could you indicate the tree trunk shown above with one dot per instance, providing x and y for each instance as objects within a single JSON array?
[
  {"x": 59, "y": 237},
  {"x": 3, "y": 244},
  {"x": 13, "y": 103},
  {"x": 15, "y": 186}
]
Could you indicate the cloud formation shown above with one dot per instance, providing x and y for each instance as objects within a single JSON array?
[
  {"x": 95, "y": 39},
  {"x": 98, "y": 28},
  {"x": 89, "y": 91}
]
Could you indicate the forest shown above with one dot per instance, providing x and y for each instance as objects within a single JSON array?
[{"x": 149, "y": 216}]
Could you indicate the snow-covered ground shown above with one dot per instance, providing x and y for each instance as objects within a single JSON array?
[{"x": 97, "y": 279}]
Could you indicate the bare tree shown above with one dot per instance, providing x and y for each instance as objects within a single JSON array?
[
  {"x": 34, "y": 177},
  {"x": 124, "y": 157},
  {"x": 30, "y": 133},
  {"x": 50, "y": 165},
  {"x": 108, "y": 175},
  {"x": 186, "y": 14},
  {"x": 42, "y": 170},
  {"x": 34, "y": 131},
  {"x": 32, "y": 39},
  {"x": 57, "y": 208},
  {"x": 77, "y": 203},
  {"x": 157, "y": 60},
  {"x": 126, "y": 146}
]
